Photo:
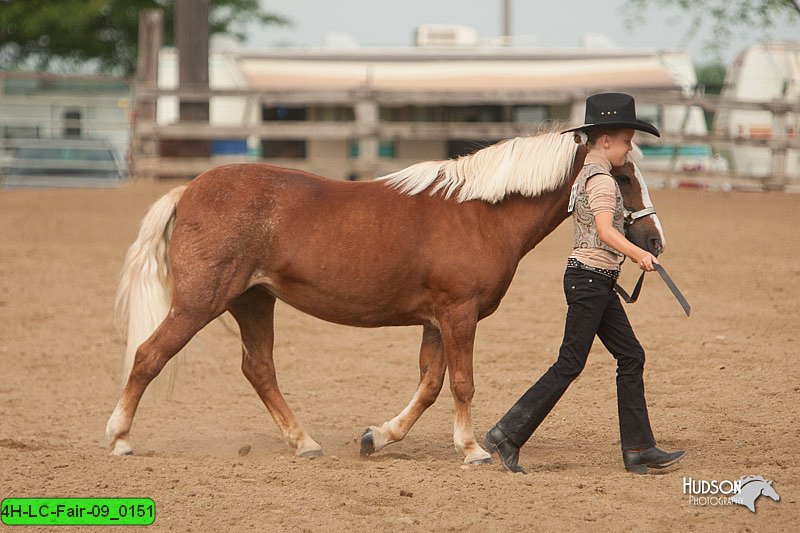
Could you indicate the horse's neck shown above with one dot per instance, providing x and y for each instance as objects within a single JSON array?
[
  {"x": 523, "y": 222},
  {"x": 529, "y": 220},
  {"x": 537, "y": 217}
]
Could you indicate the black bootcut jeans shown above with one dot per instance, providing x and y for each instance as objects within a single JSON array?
[{"x": 594, "y": 309}]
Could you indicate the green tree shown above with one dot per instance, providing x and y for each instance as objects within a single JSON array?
[
  {"x": 725, "y": 16},
  {"x": 711, "y": 76},
  {"x": 100, "y": 33}
]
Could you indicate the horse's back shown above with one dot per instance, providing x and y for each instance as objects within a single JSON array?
[
  {"x": 244, "y": 183},
  {"x": 336, "y": 249}
]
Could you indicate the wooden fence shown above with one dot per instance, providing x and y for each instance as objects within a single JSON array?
[{"x": 368, "y": 130}]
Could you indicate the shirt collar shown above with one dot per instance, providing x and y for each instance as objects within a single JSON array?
[{"x": 598, "y": 160}]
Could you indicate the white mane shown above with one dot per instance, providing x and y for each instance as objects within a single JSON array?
[
  {"x": 529, "y": 166},
  {"x": 635, "y": 155}
]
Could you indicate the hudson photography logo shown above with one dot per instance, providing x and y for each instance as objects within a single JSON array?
[{"x": 744, "y": 491}]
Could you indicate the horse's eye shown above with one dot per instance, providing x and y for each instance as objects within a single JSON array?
[{"x": 623, "y": 179}]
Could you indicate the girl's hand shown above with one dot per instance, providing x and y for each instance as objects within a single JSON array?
[{"x": 646, "y": 260}]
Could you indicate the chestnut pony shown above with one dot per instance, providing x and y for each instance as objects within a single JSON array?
[{"x": 435, "y": 244}]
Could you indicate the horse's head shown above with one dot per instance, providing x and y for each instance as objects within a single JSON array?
[
  {"x": 768, "y": 490},
  {"x": 642, "y": 226}
]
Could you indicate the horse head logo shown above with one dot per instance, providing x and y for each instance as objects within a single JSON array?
[{"x": 752, "y": 488}]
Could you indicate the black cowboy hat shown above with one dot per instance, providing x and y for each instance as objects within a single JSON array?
[{"x": 616, "y": 110}]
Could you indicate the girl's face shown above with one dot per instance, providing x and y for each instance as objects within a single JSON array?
[{"x": 616, "y": 146}]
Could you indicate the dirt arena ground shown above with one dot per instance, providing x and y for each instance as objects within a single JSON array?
[{"x": 723, "y": 384}]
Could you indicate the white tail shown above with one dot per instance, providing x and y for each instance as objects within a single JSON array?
[{"x": 143, "y": 296}]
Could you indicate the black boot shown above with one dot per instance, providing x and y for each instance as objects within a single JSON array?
[
  {"x": 638, "y": 461},
  {"x": 497, "y": 442}
]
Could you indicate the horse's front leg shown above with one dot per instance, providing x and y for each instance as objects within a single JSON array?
[
  {"x": 458, "y": 336},
  {"x": 431, "y": 378}
]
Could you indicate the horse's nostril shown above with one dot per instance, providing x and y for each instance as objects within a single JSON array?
[{"x": 655, "y": 246}]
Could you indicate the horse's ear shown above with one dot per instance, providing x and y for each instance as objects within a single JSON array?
[{"x": 769, "y": 483}]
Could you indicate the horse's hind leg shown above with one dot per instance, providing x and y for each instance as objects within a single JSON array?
[
  {"x": 174, "y": 332},
  {"x": 431, "y": 377},
  {"x": 254, "y": 311}
]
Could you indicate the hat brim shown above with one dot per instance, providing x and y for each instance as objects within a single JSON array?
[{"x": 640, "y": 125}]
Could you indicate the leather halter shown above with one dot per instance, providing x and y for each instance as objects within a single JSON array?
[{"x": 632, "y": 216}]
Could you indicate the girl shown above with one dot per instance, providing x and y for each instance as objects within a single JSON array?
[{"x": 593, "y": 306}]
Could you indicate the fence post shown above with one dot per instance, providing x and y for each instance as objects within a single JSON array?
[
  {"x": 192, "y": 42},
  {"x": 367, "y": 114},
  {"x": 151, "y": 31},
  {"x": 254, "y": 119},
  {"x": 779, "y": 178}
]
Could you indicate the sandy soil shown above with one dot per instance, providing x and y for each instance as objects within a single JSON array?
[{"x": 723, "y": 384}]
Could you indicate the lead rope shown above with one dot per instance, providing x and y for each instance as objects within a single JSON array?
[
  {"x": 630, "y": 298},
  {"x": 667, "y": 280}
]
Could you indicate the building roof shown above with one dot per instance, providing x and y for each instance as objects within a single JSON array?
[{"x": 462, "y": 69}]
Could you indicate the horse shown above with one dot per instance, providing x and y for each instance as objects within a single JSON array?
[
  {"x": 751, "y": 488},
  {"x": 435, "y": 245}
]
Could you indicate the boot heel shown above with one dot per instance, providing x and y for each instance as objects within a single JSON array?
[
  {"x": 496, "y": 442},
  {"x": 637, "y": 469},
  {"x": 490, "y": 446}
]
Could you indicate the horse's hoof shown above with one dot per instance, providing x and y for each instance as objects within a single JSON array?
[
  {"x": 310, "y": 454},
  {"x": 483, "y": 461},
  {"x": 121, "y": 448},
  {"x": 367, "y": 443},
  {"x": 121, "y": 453}
]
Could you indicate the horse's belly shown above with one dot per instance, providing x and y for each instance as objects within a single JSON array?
[
  {"x": 352, "y": 315},
  {"x": 354, "y": 307}
]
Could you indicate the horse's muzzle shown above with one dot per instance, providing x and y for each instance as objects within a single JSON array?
[{"x": 655, "y": 246}]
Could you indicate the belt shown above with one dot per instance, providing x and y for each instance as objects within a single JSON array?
[{"x": 574, "y": 263}]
